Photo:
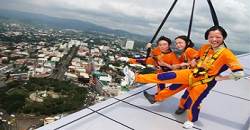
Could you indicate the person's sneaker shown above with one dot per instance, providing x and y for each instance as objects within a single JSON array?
[
  {"x": 129, "y": 76},
  {"x": 149, "y": 97},
  {"x": 180, "y": 111},
  {"x": 188, "y": 125},
  {"x": 126, "y": 59}
]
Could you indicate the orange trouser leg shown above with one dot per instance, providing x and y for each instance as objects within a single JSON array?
[
  {"x": 175, "y": 77},
  {"x": 197, "y": 94},
  {"x": 167, "y": 92},
  {"x": 142, "y": 60},
  {"x": 132, "y": 61}
]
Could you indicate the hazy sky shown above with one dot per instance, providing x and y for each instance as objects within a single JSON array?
[{"x": 144, "y": 16}]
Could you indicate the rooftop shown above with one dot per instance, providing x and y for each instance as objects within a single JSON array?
[{"x": 227, "y": 107}]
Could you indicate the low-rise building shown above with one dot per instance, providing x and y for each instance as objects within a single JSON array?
[
  {"x": 71, "y": 76},
  {"x": 19, "y": 76}
]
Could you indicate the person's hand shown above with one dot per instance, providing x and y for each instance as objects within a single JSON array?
[
  {"x": 158, "y": 67},
  {"x": 149, "y": 45},
  {"x": 184, "y": 64},
  {"x": 220, "y": 78},
  {"x": 193, "y": 63},
  {"x": 161, "y": 63},
  {"x": 126, "y": 59},
  {"x": 236, "y": 75}
]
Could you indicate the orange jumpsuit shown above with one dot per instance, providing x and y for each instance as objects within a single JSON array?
[
  {"x": 169, "y": 58},
  {"x": 197, "y": 93},
  {"x": 187, "y": 56}
]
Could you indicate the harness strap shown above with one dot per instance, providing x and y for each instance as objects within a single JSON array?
[
  {"x": 203, "y": 81},
  {"x": 203, "y": 71},
  {"x": 199, "y": 70},
  {"x": 191, "y": 20},
  {"x": 214, "y": 16}
]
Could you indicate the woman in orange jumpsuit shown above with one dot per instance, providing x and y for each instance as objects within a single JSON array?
[
  {"x": 162, "y": 57},
  {"x": 215, "y": 58}
]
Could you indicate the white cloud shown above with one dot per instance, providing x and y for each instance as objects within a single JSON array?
[{"x": 144, "y": 16}]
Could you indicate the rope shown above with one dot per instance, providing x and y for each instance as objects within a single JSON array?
[
  {"x": 191, "y": 20},
  {"x": 212, "y": 11},
  {"x": 159, "y": 28}
]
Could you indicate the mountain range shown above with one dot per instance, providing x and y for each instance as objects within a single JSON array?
[{"x": 54, "y": 22}]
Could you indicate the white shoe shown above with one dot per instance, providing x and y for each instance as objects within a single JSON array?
[
  {"x": 126, "y": 59},
  {"x": 129, "y": 76},
  {"x": 124, "y": 83},
  {"x": 188, "y": 125}
]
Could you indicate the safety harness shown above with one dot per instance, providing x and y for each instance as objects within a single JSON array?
[{"x": 203, "y": 71}]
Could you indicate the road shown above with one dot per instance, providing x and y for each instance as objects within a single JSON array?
[{"x": 62, "y": 66}]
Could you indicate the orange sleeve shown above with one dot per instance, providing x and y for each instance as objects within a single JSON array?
[
  {"x": 191, "y": 53},
  {"x": 174, "y": 59},
  {"x": 232, "y": 61},
  {"x": 132, "y": 61},
  {"x": 155, "y": 51},
  {"x": 169, "y": 58},
  {"x": 150, "y": 61},
  {"x": 203, "y": 49}
]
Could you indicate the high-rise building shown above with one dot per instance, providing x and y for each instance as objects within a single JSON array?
[{"x": 129, "y": 44}]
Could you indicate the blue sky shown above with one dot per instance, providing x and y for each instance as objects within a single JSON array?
[{"x": 144, "y": 16}]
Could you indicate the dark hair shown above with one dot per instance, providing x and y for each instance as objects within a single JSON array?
[
  {"x": 213, "y": 28},
  {"x": 188, "y": 41},
  {"x": 165, "y": 39}
]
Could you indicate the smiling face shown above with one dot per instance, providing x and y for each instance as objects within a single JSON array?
[
  {"x": 163, "y": 45},
  {"x": 180, "y": 44},
  {"x": 215, "y": 38}
]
